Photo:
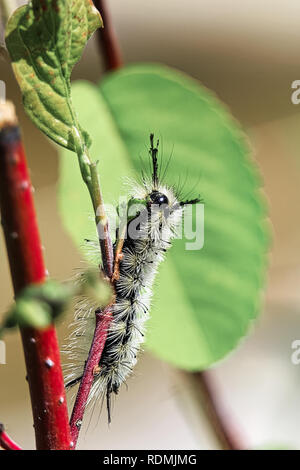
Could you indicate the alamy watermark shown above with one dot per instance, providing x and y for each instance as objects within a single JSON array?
[
  {"x": 295, "y": 356},
  {"x": 141, "y": 218},
  {"x": 2, "y": 91},
  {"x": 2, "y": 352},
  {"x": 295, "y": 97}
]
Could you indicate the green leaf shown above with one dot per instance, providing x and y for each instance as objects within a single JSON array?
[
  {"x": 45, "y": 39},
  {"x": 29, "y": 312},
  {"x": 38, "y": 304},
  {"x": 204, "y": 300},
  {"x": 52, "y": 293}
]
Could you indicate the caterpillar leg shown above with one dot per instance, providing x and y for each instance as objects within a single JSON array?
[{"x": 73, "y": 382}]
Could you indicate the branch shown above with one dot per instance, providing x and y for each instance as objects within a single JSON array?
[
  {"x": 107, "y": 39},
  {"x": 6, "y": 442},
  {"x": 221, "y": 424},
  {"x": 27, "y": 267},
  {"x": 91, "y": 369}
]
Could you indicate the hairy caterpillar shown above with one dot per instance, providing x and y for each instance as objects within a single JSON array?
[{"x": 153, "y": 214}]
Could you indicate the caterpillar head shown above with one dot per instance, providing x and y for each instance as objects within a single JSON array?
[{"x": 158, "y": 198}]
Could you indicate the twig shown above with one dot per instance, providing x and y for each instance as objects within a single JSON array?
[
  {"x": 91, "y": 369},
  {"x": 101, "y": 223},
  {"x": 6, "y": 442},
  {"x": 27, "y": 267},
  {"x": 221, "y": 424},
  {"x": 107, "y": 39}
]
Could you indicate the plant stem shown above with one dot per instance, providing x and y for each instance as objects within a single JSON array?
[
  {"x": 101, "y": 223},
  {"x": 6, "y": 442},
  {"x": 103, "y": 320},
  {"x": 221, "y": 424},
  {"x": 90, "y": 177},
  {"x": 27, "y": 267},
  {"x": 107, "y": 39}
]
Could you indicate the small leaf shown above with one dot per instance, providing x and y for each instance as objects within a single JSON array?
[
  {"x": 37, "y": 305},
  {"x": 45, "y": 39},
  {"x": 206, "y": 299},
  {"x": 29, "y": 313},
  {"x": 54, "y": 294}
]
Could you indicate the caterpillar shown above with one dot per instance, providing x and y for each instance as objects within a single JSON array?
[{"x": 149, "y": 232}]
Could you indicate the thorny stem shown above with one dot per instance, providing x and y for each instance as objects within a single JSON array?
[
  {"x": 6, "y": 442},
  {"x": 27, "y": 267},
  {"x": 224, "y": 430},
  {"x": 107, "y": 39}
]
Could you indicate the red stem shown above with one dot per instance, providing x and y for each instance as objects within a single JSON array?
[
  {"x": 6, "y": 442},
  {"x": 107, "y": 39},
  {"x": 222, "y": 425},
  {"x": 103, "y": 320},
  {"x": 27, "y": 266}
]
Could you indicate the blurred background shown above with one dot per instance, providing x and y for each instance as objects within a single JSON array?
[{"x": 248, "y": 54}]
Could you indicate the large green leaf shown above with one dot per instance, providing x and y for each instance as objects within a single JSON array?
[
  {"x": 204, "y": 300},
  {"x": 45, "y": 39}
]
